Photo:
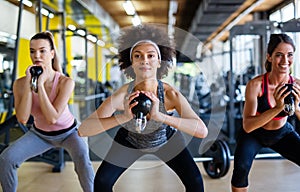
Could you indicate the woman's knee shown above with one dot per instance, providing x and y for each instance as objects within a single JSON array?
[
  {"x": 7, "y": 159},
  {"x": 103, "y": 183},
  {"x": 194, "y": 184},
  {"x": 81, "y": 162},
  {"x": 240, "y": 175}
]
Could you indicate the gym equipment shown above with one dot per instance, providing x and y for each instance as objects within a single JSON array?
[
  {"x": 217, "y": 161},
  {"x": 289, "y": 106},
  {"x": 35, "y": 72},
  {"x": 259, "y": 32},
  {"x": 141, "y": 110}
]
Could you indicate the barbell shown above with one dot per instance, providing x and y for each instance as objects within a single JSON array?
[{"x": 216, "y": 160}]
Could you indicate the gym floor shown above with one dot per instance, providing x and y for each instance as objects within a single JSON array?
[{"x": 272, "y": 175}]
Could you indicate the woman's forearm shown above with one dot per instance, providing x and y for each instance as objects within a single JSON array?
[
  {"x": 94, "y": 125},
  {"x": 191, "y": 126}
]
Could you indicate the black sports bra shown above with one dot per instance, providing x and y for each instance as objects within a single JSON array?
[{"x": 263, "y": 102}]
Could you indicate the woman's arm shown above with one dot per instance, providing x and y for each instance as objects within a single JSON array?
[
  {"x": 252, "y": 120},
  {"x": 22, "y": 99},
  {"x": 188, "y": 122},
  {"x": 52, "y": 111},
  {"x": 103, "y": 119}
]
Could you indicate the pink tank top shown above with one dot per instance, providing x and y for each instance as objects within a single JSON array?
[{"x": 66, "y": 119}]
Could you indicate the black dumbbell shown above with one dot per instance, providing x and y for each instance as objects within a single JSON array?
[
  {"x": 35, "y": 72},
  {"x": 289, "y": 106},
  {"x": 141, "y": 110}
]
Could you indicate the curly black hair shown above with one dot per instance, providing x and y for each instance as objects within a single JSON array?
[{"x": 156, "y": 33}]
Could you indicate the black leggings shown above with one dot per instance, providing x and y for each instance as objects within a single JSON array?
[
  {"x": 249, "y": 144},
  {"x": 120, "y": 157}
]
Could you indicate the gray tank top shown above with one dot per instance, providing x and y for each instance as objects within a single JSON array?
[{"x": 155, "y": 133}]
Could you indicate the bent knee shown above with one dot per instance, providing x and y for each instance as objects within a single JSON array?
[
  {"x": 195, "y": 184},
  {"x": 102, "y": 183},
  {"x": 7, "y": 162},
  {"x": 240, "y": 176}
]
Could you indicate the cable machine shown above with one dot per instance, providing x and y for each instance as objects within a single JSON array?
[{"x": 261, "y": 29}]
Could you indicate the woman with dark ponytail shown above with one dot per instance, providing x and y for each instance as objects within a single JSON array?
[{"x": 266, "y": 111}]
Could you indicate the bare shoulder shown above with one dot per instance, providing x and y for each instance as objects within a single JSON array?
[
  {"x": 256, "y": 81},
  {"x": 19, "y": 82},
  {"x": 254, "y": 85},
  {"x": 171, "y": 92},
  {"x": 296, "y": 80},
  {"x": 64, "y": 80},
  {"x": 173, "y": 97},
  {"x": 66, "y": 84}
]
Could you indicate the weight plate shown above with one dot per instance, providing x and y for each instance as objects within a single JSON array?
[
  {"x": 227, "y": 160},
  {"x": 219, "y": 164}
]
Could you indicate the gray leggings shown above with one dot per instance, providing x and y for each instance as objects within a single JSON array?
[{"x": 34, "y": 143}]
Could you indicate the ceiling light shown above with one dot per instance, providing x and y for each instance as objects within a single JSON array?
[
  {"x": 114, "y": 50},
  {"x": 51, "y": 15},
  {"x": 129, "y": 8},
  {"x": 27, "y": 3},
  {"x": 72, "y": 27},
  {"x": 81, "y": 32},
  {"x": 100, "y": 43},
  {"x": 136, "y": 20},
  {"x": 92, "y": 38},
  {"x": 45, "y": 12},
  {"x": 173, "y": 7}
]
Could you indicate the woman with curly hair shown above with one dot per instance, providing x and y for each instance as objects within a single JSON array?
[{"x": 145, "y": 54}]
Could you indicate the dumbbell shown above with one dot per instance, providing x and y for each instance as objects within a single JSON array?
[
  {"x": 35, "y": 72},
  {"x": 141, "y": 110},
  {"x": 289, "y": 106}
]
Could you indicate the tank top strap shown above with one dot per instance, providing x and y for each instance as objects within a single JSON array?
[
  {"x": 291, "y": 79},
  {"x": 265, "y": 84},
  {"x": 160, "y": 91}
]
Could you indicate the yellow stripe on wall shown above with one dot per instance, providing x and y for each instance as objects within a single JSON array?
[{"x": 23, "y": 58}]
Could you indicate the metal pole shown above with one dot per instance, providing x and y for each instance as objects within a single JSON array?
[
  {"x": 40, "y": 5},
  {"x": 87, "y": 87},
  {"x": 63, "y": 36},
  {"x": 47, "y": 23},
  {"x": 96, "y": 58},
  {"x": 16, "y": 53},
  {"x": 231, "y": 113}
]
